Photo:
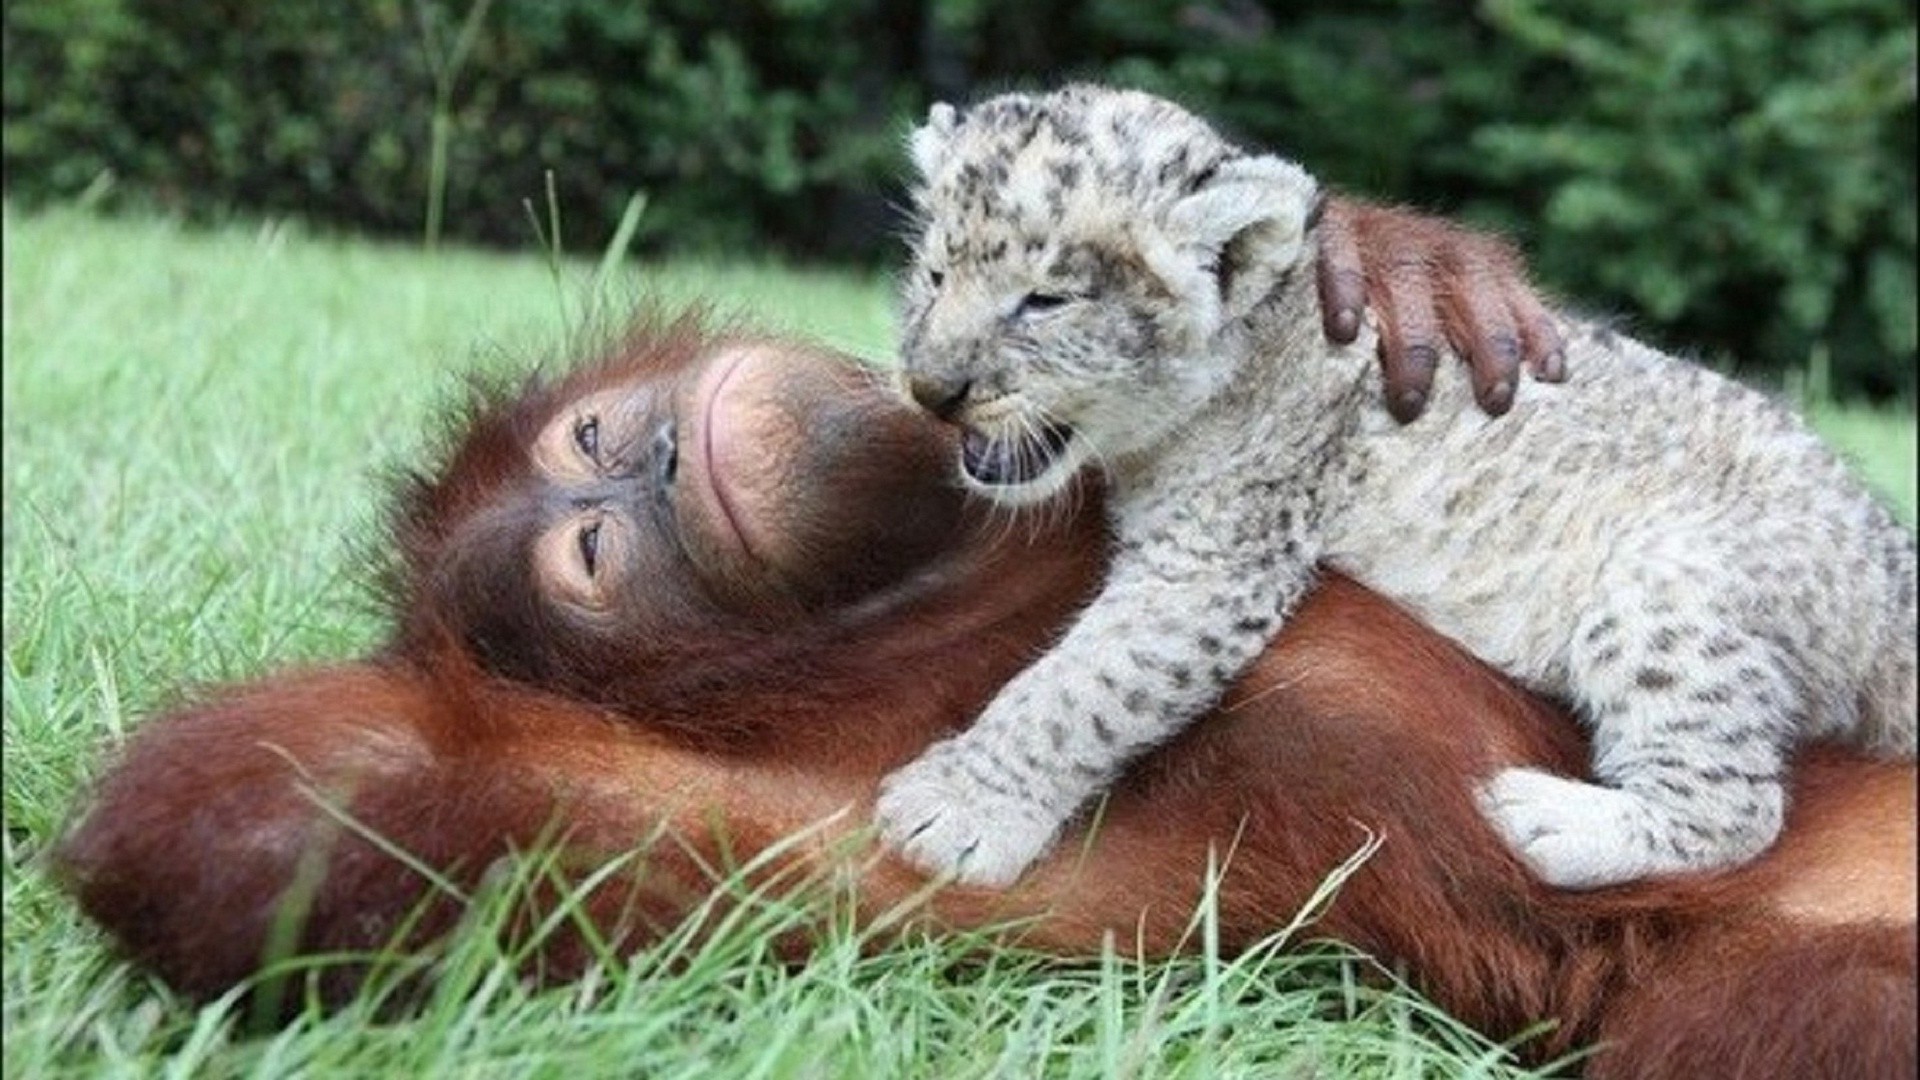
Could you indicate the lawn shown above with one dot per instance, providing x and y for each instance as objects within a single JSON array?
[{"x": 194, "y": 424}]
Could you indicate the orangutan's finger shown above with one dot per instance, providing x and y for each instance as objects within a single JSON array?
[
  {"x": 1477, "y": 318},
  {"x": 1343, "y": 283},
  {"x": 1409, "y": 338},
  {"x": 1540, "y": 341}
]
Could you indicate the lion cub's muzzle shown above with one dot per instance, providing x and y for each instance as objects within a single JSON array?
[
  {"x": 1001, "y": 446},
  {"x": 1019, "y": 456}
]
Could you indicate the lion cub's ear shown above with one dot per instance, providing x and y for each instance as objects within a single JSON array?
[
  {"x": 928, "y": 144},
  {"x": 1248, "y": 222}
]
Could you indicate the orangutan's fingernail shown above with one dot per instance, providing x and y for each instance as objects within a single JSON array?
[{"x": 1406, "y": 405}]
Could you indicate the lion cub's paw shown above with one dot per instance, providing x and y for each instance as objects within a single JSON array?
[
  {"x": 944, "y": 821},
  {"x": 1571, "y": 834}
]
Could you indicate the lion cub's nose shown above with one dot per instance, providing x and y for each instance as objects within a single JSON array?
[{"x": 941, "y": 396}]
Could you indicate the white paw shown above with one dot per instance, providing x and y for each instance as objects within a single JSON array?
[
  {"x": 945, "y": 822},
  {"x": 1573, "y": 835}
]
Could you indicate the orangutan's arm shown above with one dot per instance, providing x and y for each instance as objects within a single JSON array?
[{"x": 327, "y": 812}]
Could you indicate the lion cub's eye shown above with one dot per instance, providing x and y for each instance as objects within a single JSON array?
[
  {"x": 936, "y": 278},
  {"x": 586, "y": 436},
  {"x": 1038, "y": 303}
]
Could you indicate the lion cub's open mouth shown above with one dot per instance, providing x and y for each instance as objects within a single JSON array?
[{"x": 1017, "y": 457}]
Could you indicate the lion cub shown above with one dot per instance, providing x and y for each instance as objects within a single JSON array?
[{"x": 1102, "y": 279}]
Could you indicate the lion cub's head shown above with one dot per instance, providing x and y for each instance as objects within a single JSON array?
[{"x": 1078, "y": 254}]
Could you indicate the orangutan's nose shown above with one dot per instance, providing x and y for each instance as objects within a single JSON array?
[{"x": 940, "y": 395}]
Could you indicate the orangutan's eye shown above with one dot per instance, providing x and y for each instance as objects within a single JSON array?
[
  {"x": 589, "y": 541},
  {"x": 586, "y": 436}
]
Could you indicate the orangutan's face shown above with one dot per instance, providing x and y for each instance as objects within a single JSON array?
[{"x": 679, "y": 508}]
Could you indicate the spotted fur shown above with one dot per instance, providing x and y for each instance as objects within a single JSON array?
[{"x": 1101, "y": 279}]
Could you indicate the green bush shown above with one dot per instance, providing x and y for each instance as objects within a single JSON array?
[
  {"x": 1744, "y": 178},
  {"x": 273, "y": 108},
  {"x": 746, "y": 125},
  {"x": 1732, "y": 178}
]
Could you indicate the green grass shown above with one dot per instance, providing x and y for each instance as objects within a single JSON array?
[
  {"x": 193, "y": 422},
  {"x": 1881, "y": 446}
]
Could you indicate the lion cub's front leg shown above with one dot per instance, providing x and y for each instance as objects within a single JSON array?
[{"x": 1160, "y": 645}]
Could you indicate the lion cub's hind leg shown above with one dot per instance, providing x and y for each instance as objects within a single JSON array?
[{"x": 1692, "y": 719}]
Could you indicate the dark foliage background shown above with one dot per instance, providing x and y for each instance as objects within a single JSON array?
[{"x": 1737, "y": 178}]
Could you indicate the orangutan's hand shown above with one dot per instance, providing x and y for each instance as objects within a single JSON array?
[{"x": 1434, "y": 286}]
